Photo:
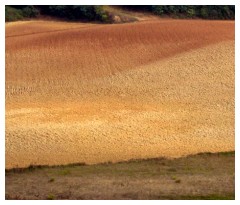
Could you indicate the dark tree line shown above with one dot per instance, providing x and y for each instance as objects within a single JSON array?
[
  {"x": 75, "y": 12},
  {"x": 189, "y": 11},
  {"x": 97, "y": 13}
]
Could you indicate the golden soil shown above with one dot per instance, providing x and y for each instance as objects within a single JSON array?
[{"x": 96, "y": 93}]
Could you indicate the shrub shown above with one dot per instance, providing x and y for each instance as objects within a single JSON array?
[
  {"x": 59, "y": 11},
  {"x": 204, "y": 12},
  {"x": 100, "y": 14},
  {"x": 82, "y": 12},
  {"x": 105, "y": 18},
  {"x": 158, "y": 10},
  {"x": 77, "y": 12},
  {"x": 12, "y": 14},
  {"x": 30, "y": 12},
  {"x": 191, "y": 12},
  {"x": 214, "y": 14},
  {"x": 50, "y": 197}
]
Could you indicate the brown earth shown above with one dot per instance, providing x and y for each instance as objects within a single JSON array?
[{"x": 96, "y": 93}]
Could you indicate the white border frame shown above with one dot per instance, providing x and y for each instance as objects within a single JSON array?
[{"x": 116, "y": 2}]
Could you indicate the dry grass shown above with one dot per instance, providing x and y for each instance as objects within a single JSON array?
[
  {"x": 203, "y": 176},
  {"x": 114, "y": 92}
]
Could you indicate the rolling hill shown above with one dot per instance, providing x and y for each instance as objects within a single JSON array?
[{"x": 95, "y": 93}]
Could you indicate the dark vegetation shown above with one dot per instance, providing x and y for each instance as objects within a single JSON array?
[
  {"x": 13, "y": 13},
  {"x": 75, "y": 12},
  {"x": 189, "y": 11},
  {"x": 98, "y": 13}
]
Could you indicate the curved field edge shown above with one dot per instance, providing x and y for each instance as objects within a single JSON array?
[
  {"x": 35, "y": 167},
  {"x": 206, "y": 176}
]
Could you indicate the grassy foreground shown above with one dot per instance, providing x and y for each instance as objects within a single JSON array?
[{"x": 202, "y": 176}]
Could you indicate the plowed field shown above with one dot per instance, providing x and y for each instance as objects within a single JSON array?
[{"x": 95, "y": 93}]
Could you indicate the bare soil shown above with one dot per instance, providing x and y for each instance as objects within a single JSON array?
[{"x": 97, "y": 93}]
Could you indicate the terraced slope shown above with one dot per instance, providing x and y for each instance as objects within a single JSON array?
[{"x": 96, "y": 93}]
